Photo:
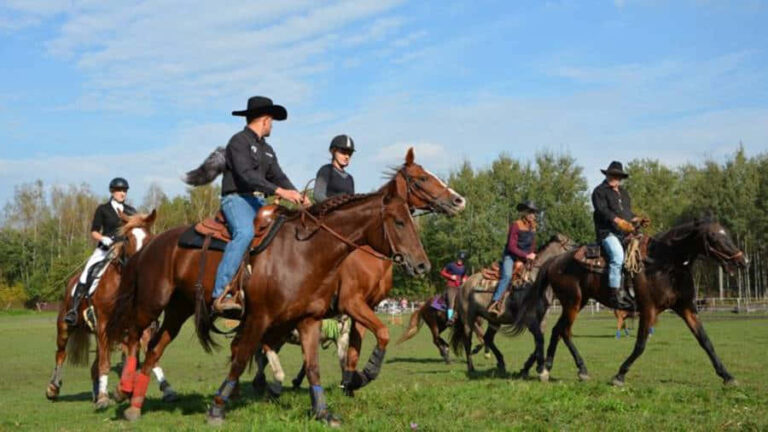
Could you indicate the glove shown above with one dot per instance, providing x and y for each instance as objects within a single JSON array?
[
  {"x": 641, "y": 221},
  {"x": 106, "y": 242},
  {"x": 624, "y": 225}
]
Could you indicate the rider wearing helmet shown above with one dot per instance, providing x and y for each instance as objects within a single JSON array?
[
  {"x": 454, "y": 273},
  {"x": 106, "y": 222},
  {"x": 332, "y": 179}
]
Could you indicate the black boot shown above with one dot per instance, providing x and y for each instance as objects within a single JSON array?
[
  {"x": 71, "y": 316},
  {"x": 618, "y": 299}
]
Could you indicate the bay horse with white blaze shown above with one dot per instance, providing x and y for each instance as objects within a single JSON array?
[{"x": 665, "y": 282}]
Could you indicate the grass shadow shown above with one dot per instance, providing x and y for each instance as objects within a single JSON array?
[
  {"x": 418, "y": 360},
  {"x": 77, "y": 397},
  {"x": 488, "y": 374}
]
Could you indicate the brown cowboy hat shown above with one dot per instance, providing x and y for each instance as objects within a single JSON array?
[
  {"x": 528, "y": 206},
  {"x": 615, "y": 169},
  {"x": 259, "y": 106}
]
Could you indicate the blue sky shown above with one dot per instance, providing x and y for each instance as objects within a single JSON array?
[{"x": 144, "y": 89}]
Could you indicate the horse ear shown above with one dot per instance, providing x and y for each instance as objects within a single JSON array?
[
  {"x": 409, "y": 157},
  {"x": 149, "y": 220}
]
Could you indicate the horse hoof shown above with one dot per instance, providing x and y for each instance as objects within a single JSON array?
[
  {"x": 731, "y": 382},
  {"x": 170, "y": 396},
  {"x": 216, "y": 415},
  {"x": 52, "y": 392},
  {"x": 275, "y": 390},
  {"x": 584, "y": 377},
  {"x": 543, "y": 376},
  {"x": 215, "y": 421},
  {"x": 102, "y": 401},
  {"x": 329, "y": 419},
  {"x": 617, "y": 382},
  {"x": 120, "y": 396},
  {"x": 132, "y": 413}
]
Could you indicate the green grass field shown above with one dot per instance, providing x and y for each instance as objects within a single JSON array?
[{"x": 672, "y": 387}]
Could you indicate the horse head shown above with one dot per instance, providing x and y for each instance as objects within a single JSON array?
[
  {"x": 402, "y": 237},
  {"x": 424, "y": 190},
  {"x": 718, "y": 245},
  {"x": 136, "y": 232}
]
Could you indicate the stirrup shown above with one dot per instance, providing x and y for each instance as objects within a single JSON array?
[
  {"x": 495, "y": 308},
  {"x": 89, "y": 316}
]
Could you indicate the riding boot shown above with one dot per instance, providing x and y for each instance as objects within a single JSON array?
[
  {"x": 71, "y": 316},
  {"x": 618, "y": 299}
]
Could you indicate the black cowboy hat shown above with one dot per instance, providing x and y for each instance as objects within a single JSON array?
[
  {"x": 615, "y": 169},
  {"x": 259, "y": 106},
  {"x": 528, "y": 206}
]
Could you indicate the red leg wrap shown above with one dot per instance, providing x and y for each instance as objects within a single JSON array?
[
  {"x": 127, "y": 377},
  {"x": 139, "y": 390}
]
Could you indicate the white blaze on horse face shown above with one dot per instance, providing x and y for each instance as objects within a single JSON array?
[
  {"x": 721, "y": 232},
  {"x": 439, "y": 180},
  {"x": 139, "y": 235}
]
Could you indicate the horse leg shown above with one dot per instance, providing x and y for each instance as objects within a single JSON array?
[
  {"x": 646, "y": 319},
  {"x": 441, "y": 345},
  {"x": 619, "y": 324},
  {"x": 478, "y": 329},
  {"x": 467, "y": 346},
  {"x": 342, "y": 344},
  {"x": 250, "y": 336},
  {"x": 691, "y": 318},
  {"x": 276, "y": 387},
  {"x": 488, "y": 337},
  {"x": 353, "y": 356},
  {"x": 554, "y": 339},
  {"x": 127, "y": 376},
  {"x": 176, "y": 313},
  {"x": 537, "y": 356},
  {"x": 309, "y": 330},
  {"x": 365, "y": 316},
  {"x": 571, "y": 314},
  {"x": 62, "y": 336}
]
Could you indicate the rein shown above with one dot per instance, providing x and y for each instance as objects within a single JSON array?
[{"x": 709, "y": 251}]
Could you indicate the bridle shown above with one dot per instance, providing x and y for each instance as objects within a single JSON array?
[
  {"x": 710, "y": 251},
  {"x": 413, "y": 186}
]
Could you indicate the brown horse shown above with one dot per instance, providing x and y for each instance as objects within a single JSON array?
[
  {"x": 73, "y": 342},
  {"x": 666, "y": 282},
  {"x": 475, "y": 296},
  {"x": 283, "y": 291},
  {"x": 363, "y": 280},
  {"x": 437, "y": 321}
]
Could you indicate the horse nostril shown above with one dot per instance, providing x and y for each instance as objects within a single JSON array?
[
  {"x": 398, "y": 259},
  {"x": 422, "y": 268},
  {"x": 458, "y": 201}
]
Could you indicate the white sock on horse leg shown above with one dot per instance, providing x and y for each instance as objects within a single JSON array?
[
  {"x": 158, "y": 371},
  {"x": 103, "y": 380}
]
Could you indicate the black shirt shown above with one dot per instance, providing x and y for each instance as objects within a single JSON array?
[
  {"x": 608, "y": 205},
  {"x": 252, "y": 166},
  {"x": 106, "y": 221},
  {"x": 330, "y": 182}
]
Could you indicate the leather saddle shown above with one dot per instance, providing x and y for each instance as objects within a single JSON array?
[
  {"x": 592, "y": 257},
  {"x": 266, "y": 224}
]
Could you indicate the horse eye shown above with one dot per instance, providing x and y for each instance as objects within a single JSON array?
[
  {"x": 424, "y": 178},
  {"x": 399, "y": 223}
]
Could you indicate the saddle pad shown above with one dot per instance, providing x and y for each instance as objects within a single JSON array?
[
  {"x": 190, "y": 239},
  {"x": 438, "y": 303}
]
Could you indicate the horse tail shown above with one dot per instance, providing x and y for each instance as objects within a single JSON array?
[
  {"x": 534, "y": 302},
  {"x": 211, "y": 167},
  {"x": 458, "y": 335},
  {"x": 78, "y": 346},
  {"x": 414, "y": 324},
  {"x": 203, "y": 322}
]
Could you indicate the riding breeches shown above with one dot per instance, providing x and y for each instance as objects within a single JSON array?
[{"x": 97, "y": 256}]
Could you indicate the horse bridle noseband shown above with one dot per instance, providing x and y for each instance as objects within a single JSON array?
[
  {"x": 710, "y": 251},
  {"x": 413, "y": 186}
]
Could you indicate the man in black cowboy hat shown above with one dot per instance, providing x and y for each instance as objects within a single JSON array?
[
  {"x": 252, "y": 173},
  {"x": 521, "y": 244},
  {"x": 613, "y": 221},
  {"x": 106, "y": 222},
  {"x": 332, "y": 179}
]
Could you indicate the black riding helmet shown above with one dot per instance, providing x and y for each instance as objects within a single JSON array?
[
  {"x": 118, "y": 183},
  {"x": 342, "y": 142},
  {"x": 462, "y": 255}
]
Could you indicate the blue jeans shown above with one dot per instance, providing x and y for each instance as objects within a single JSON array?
[
  {"x": 612, "y": 246},
  {"x": 240, "y": 211},
  {"x": 507, "y": 267}
]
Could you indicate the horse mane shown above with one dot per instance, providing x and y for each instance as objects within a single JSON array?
[
  {"x": 324, "y": 207},
  {"x": 676, "y": 233}
]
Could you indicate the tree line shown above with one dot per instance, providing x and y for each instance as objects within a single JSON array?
[{"x": 44, "y": 231}]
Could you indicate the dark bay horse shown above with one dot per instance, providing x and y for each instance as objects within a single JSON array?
[
  {"x": 437, "y": 321},
  {"x": 73, "y": 342},
  {"x": 666, "y": 282},
  {"x": 283, "y": 292},
  {"x": 474, "y": 297}
]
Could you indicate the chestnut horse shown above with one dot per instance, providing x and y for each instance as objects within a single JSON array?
[
  {"x": 75, "y": 340},
  {"x": 283, "y": 291},
  {"x": 666, "y": 282},
  {"x": 363, "y": 280}
]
